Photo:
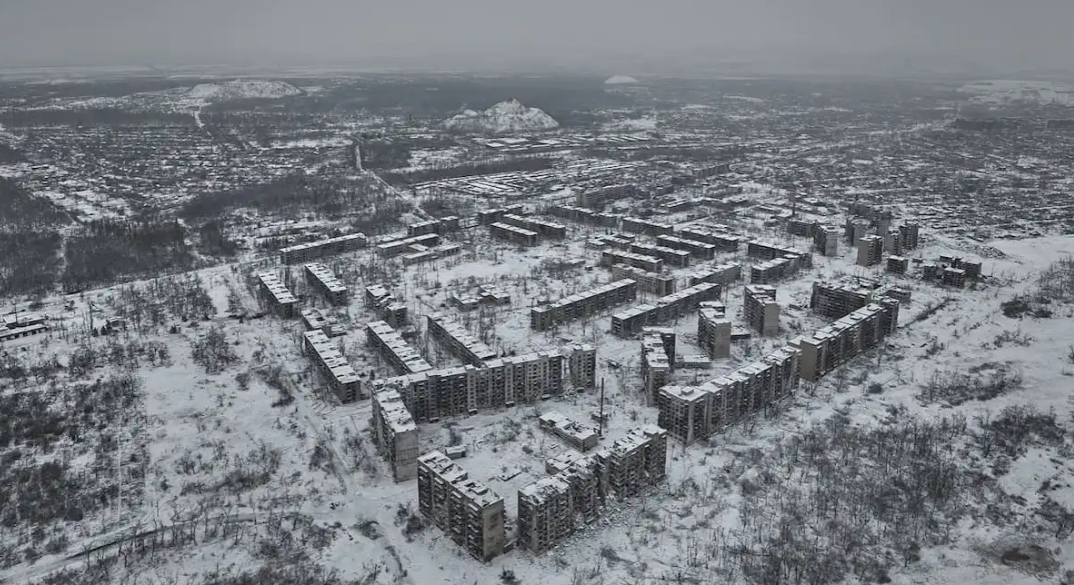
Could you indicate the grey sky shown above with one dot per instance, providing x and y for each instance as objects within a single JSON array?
[{"x": 1025, "y": 33}]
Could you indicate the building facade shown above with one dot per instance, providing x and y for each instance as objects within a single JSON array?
[
  {"x": 760, "y": 309},
  {"x": 467, "y": 511},
  {"x": 583, "y": 304}
]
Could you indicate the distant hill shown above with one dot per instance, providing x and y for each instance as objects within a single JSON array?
[
  {"x": 621, "y": 80},
  {"x": 1019, "y": 92},
  {"x": 503, "y": 118},
  {"x": 241, "y": 89}
]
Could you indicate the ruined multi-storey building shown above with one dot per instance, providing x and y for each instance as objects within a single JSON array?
[
  {"x": 760, "y": 309},
  {"x": 850, "y": 336},
  {"x": 394, "y": 349},
  {"x": 324, "y": 281},
  {"x": 583, "y": 304},
  {"x": 457, "y": 340},
  {"x": 275, "y": 295},
  {"x": 714, "y": 330},
  {"x": 630, "y": 321},
  {"x": 466, "y": 510},
  {"x": 691, "y": 413},
  {"x": 395, "y": 434}
]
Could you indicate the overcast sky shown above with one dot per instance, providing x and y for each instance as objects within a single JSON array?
[{"x": 1015, "y": 33}]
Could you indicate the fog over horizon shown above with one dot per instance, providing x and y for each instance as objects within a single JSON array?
[{"x": 580, "y": 33}]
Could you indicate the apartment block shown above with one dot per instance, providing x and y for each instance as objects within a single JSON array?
[
  {"x": 275, "y": 295},
  {"x": 310, "y": 251},
  {"x": 670, "y": 256},
  {"x": 582, "y": 365},
  {"x": 397, "y": 352},
  {"x": 870, "y": 250},
  {"x": 760, "y": 309},
  {"x": 668, "y": 338},
  {"x": 898, "y": 265},
  {"x": 545, "y": 229},
  {"x": 490, "y": 216},
  {"x": 600, "y": 196},
  {"x": 577, "y": 435},
  {"x": 395, "y": 434},
  {"x": 773, "y": 271},
  {"x": 430, "y": 254},
  {"x": 655, "y": 365},
  {"x": 583, "y": 215},
  {"x": 954, "y": 277},
  {"x": 893, "y": 243},
  {"x": 724, "y": 242},
  {"x": 633, "y": 464},
  {"x": 714, "y": 330},
  {"x": 432, "y": 226},
  {"x": 647, "y": 263},
  {"x": 457, "y": 340},
  {"x": 407, "y": 245},
  {"x": 339, "y": 374},
  {"x": 553, "y": 508},
  {"x": 503, "y": 382},
  {"x": 466, "y": 510},
  {"x": 515, "y": 235},
  {"x": 723, "y": 274},
  {"x": 692, "y": 413},
  {"x": 772, "y": 251},
  {"x": 621, "y": 242},
  {"x": 546, "y": 513},
  {"x": 699, "y": 250},
  {"x": 324, "y": 281},
  {"x": 314, "y": 320},
  {"x": 909, "y": 233},
  {"x": 650, "y": 282},
  {"x": 826, "y": 239},
  {"x": 647, "y": 227},
  {"x": 583, "y": 304},
  {"x": 835, "y": 301},
  {"x": 630, "y": 321},
  {"x": 801, "y": 227},
  {"x": 855, "y": 230},
  {"x": 854, "y": 334}
]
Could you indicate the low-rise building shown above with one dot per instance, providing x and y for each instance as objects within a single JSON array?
[
  {"x": 577, "y": 435},
  {"x": 402, "y": 246}
]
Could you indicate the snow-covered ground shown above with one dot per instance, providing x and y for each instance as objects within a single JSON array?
[
  {"x": 503, "y": 118},
  {"x": 1001, "y": 92},
  {"x": 201, "y": 429}
]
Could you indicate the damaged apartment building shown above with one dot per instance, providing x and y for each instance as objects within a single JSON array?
[
  {"x": 466, "y": 510},
  {"x": 848, "y": 337},
  {"x": 584, "y": 304},
  {"x": 629, "y": 322},
  {"x": 692, "y": 413},
  {"x": 553, "y": 508},
  {"x": 334, "y": 368}
]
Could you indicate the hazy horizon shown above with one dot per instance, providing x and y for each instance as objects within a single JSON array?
[{"x": 590, "y": 34}]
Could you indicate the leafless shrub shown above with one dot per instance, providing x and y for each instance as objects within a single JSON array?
[{"x": 955, "y": 387}]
